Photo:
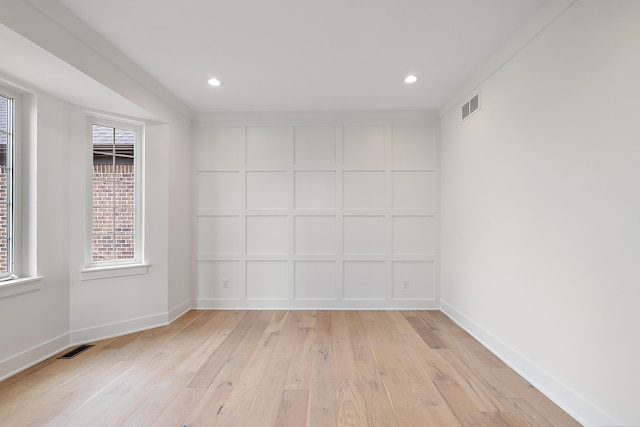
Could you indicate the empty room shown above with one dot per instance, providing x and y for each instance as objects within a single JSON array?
[{"x": 321, "y": 213}]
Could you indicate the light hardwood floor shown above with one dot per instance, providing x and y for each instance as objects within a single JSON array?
[{"x": 281, "y": 368}]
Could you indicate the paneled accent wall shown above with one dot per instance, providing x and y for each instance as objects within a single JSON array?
[{"x": 316, "y": 215}]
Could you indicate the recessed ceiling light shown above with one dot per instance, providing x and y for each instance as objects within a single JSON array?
[
  {"x": 410, "y": 79},
  {"x": 214, "y": 82}
]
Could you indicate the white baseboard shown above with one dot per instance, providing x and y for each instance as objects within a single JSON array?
[
  {"x": 264, "y": 304},
  {"x": 101, "y": 332},
  {"x": 568, "y": 400},
  {"x": 34, "y": 355},
  {"x": 583, "y": 411},
  {"x": 179, "y": 310},
  {"x": 37, "y": 354}
]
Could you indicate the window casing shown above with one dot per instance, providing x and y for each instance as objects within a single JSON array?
[{"x": 114, "y": 225}]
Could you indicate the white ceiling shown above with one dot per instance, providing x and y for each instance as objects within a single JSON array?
[
  {"x": 37, "y": 67},
  {"x": 307, "y": 55}
]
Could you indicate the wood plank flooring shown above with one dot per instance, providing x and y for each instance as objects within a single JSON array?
[{"x": 281, "y": 368}]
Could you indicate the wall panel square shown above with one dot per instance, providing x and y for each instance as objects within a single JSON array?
[
  {"x": 413, "y": 147},
  {"x": 414, "y": 190},
  {"x": 315, "y": 146},
  {"x": 267, "y": 280},
  {"x": 363, "y": 147},
  {"x": 219, "y": 190},
  {"x": 270, "y": 147},
  {"x": 219, "y": 235},
  {"x": 212, "y": 276},
  {"x": 315, "y": 280},
  {"x": 413, "y": 280},
  {"x": 315, "y": 190},
  {"x": 364, "y": 280},
  {"x": 315, "y": 235},
  {"x": 219, "y": 148},
  {"x": 267, "y": 235},
  {"x": 413, "y": 235},
  {"x": 364, "y": 235},
  {"x": 268, "y": 190},
  {"x": 363, "y": 190}
]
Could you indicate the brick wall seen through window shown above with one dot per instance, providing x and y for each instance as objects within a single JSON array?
[
  {"x": 113, "y": 216},
  {"x": 6, "y": 138},
  {"x": 3, "y": 218}
]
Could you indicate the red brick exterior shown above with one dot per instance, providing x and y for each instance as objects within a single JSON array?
[
  {"x": 113, "y": 212},
  {"x": 3, "y": 218},
  {"x": 111, "y": 240}
]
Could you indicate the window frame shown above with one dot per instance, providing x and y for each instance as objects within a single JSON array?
[
  {"x": 25, "y": 212},
  {"x": 103, "y": 269},
  {"x": 16, "y": 254}
]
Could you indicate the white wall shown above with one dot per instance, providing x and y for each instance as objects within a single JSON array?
[
  {"x": 110, "y": 306},
  {"x": 65, "y": 309},
  {"x": 541, "y": 208},
  {"x": 310, "y": 211},
  {"x": 180, "y": 218},
  {"x": 540, "y": 201},
  {"x": 36, "y": 323}
]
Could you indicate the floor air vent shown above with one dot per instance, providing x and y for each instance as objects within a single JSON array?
[
  {"x": 471, "y": 106},
  {"x": 76, "y": 351}
]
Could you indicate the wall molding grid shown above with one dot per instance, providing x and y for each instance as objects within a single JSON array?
[{"x": 316, "y": 215}]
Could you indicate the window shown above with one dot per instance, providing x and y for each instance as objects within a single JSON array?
[
  {"x": 8, "y": 141},
  {"x": 116, "y": 202},
  {"x": 18, "y": 271}
]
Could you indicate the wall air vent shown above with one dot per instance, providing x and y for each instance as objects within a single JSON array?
[{"x": 471, "y": 106}]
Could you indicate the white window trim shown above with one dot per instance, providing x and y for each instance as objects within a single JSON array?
[
  {"x": 106, "y": 269},
  {"x": 25, "y": 204},
  {"x": 14, "y": 183},
  {"x": 21, "y": 285},
  {"x": 110, "y": 271}
]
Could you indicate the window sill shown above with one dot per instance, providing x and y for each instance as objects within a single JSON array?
[
  {"x": 107, "y": 272},
  {"x": 20, "y": 286}
]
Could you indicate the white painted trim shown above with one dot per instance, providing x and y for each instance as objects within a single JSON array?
[
  {"x": 110, "y": 330},
  {"x": 37, "y": 354},
  {"x": 575, "y": 405},
  {"x": 265, "y": 304},
  {"x": 34, "y": 355},
  {"x": 24, "y": 181},
  {"x": 302, "y": 118},
  {"x": 179, "y": 310},
  {"x": 385, "y": 215},
  {"x": 110, "y": 271},
  {"x": 139, "y": 184},
  {"x": 21, "y": 285}
]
